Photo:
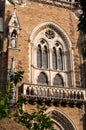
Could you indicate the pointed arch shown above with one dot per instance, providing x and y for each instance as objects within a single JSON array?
[
  {"x": 42, "y": 79},
  {"x": 53, "y": 34},
  {"x": 58, "y": 80},
  {"x": 61, "y": 119},
  {"x": 56, "y": 28},
  {"x": 14, "y": 33}
]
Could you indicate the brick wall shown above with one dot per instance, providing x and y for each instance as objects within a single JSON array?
[{"x": 31, "y": 16}]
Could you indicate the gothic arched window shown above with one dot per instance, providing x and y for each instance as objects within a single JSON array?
[
  {"x": 45, "y": 57},
  {"x": 39, "y": 57},
  {"x": 51, "y": 56},
  {"x": 58, "y": 81},
  {"x": 54, "y": 58},
  {"x": 42, "y": 79}
]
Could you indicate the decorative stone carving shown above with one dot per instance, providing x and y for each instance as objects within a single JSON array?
[
  {"x": 49, "y": 34},
  {"x": 13, "y": 42},
  {"x": 15, "y": 2},
  {"x": 14, "y": 30},
  {"x": 42, "y": 41},
  {"x": 57, "y": 44},
  {"x": 62, "y": 120}
]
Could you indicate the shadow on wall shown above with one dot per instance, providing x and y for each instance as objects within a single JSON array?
[
  {"x": 82, "y": 66},
  {"x": 83, "y": 73},
  {"x": 4, "y": 56},
  {"x": 3, "y": 70},
  {"x": 83, "y": 119},
  {"x": 7, "y": 22}
]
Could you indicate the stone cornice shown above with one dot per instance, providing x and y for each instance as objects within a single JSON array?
[{"x": 58, "y": 3}]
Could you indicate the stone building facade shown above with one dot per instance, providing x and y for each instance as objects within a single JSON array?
[{"x": 41, "y": 38}]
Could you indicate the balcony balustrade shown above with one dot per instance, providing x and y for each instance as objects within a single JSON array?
[{"x": 53, "y": 94}]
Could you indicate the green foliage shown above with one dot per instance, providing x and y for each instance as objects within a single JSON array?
[
  {"x": 82, "y": 25},
  {"x": 82, "y": 18},
  {"x": 5, "y": 103},
  {"x": 36, "y": 120},
  {"x": 83, "y": 49},
  {"x": 17, "y": 77},
  {"x": 6, "y": 96}
]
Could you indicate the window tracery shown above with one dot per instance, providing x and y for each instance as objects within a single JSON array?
[
  {"x": 43, "y": 57},
  {"x": 42, "y": 54},
  {"x": 49, "y": 34},
  {"x": 42, "y": 41},
  {"x": 52, "y": 56}
]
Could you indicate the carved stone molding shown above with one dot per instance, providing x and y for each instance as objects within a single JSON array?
[
  {"x": 17, "y": 2},
  {"x": 49, "y": 34},
  {"x": 55, "y": 28},
  {"x": 63, "y": 120}
]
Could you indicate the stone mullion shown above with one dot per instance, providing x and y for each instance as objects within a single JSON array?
[
  {"x": 50, "y": 59},
  {"x": 42, "y": 49},
  {"x": 57, "y": 59},
  {"x": 63, "y": 60},
  {"x": 73, "y": 69},
  {"x": 65, "y": 69},
  {"x": 50, "y": 65}
]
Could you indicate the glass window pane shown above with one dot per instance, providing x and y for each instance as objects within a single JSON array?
[
  {"x": 60, "y": 59},
  {"x": 45, "y": 57},
  {"x": 54, "y": 59},
  {"x": 58, "y": 81},
  {"x": 42, "y": 79},
  {"x": 39, "y": 57}
]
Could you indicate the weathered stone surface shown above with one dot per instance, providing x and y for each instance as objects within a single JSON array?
[
  {"x": 30, "y": 16},
  {"x": 9, "y": 124}
]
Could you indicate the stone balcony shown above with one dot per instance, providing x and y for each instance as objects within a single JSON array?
[{"x": 53, "y": 95}]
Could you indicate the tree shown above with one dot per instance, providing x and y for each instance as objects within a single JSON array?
[
  {"x": 16, "y": 77},
  {"x": 82, "y": 26},
  {"x": 83, "y": 49},
  {"x": 7, "y": 95},
  {"x": 37, "y": 120},
  {"x": 82, "y": 18}
]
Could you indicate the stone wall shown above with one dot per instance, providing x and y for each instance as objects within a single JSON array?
[
  {"x": 75, "y": 114},
  {"x": 31, "y": 16}
]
